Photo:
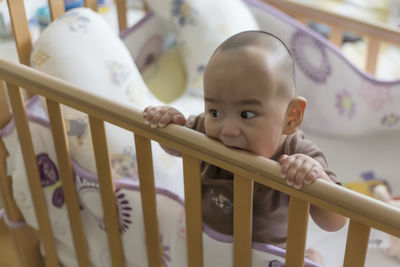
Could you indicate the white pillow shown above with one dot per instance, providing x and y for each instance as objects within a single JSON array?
[
  {"x": 80, "y": 47},
  {"x": 199, "y": 27}
]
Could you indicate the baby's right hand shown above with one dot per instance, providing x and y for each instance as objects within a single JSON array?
[{"x": 162, "y": 116}]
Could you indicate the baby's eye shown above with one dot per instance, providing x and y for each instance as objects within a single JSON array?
[
  {"x": 214, "y": 113},
  {"x": 247, "y": 114}
]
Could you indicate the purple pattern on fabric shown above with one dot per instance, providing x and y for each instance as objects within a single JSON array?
[
  {"x": 164, "y": 252},
  {"x": 124, "y": 210},
  {"x": 58, "y": 197},
  {"x": 377, "y": 97},
  {"x": 125, "y": 165},
  {"x": 284, "y": 18},
  {"x": 77, "y": 127},
  {"x": 47, "y": 170},
  {"x": 276, "y": 263},
  {"x": 345, "y": 104},
  {"x": 76, "y": 22},
  {"x": 183, "y": 12},
  {"x": 369, "y": 175},
  {"x": 301, "y": 43},
  {"x": 49, "y": 176},
  {"x": 391, "y": 120},
  {"x": 201, "y": 68},
  {"x": 119, "y": 73}
]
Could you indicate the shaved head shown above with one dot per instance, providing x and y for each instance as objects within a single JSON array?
[{"x": 277, "y": 53}]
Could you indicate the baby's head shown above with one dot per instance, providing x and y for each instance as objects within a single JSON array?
[{"x": 249, "y": 93}]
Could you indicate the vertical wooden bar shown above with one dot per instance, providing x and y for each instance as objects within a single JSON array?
[
  {"x": 121, "y": 11},
  {"x": 67, "y": 179},
  {"x": 146, "y": 7},
  {"x": 5, "y": 115},
  {"x": 22, "y": 36},
  {"x": 108, "y": 201},
  {"x": 336, "y": 36},
  {"x": 25, "y": 238},
  {"x": 194, "y": 232},
  {"x": 91, "y": 4},
  {"x": 57, "y": 8},
  {"x": 39, "y": 202},
  {"x": 356, "y": 245},
  {"x": 297, "y": 232},
  {"x": 242, "y": 221},
  {"x": 372, "y": 54},
  {"x": 19, "y": 24},
  {"x": 148, "y": 195}
]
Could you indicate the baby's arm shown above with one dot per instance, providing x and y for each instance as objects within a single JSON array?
[
  {"x": 299, "y": 170},
  {"x": 162, "y": 116}
]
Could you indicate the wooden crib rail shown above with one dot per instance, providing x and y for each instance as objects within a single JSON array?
[
  {"x": 364, "y": 212},
  {"x": 376, "y": 33},
  {"x": 22, "y": 36}
]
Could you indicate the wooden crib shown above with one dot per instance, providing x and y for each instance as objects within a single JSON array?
[{"x": 364, "y": 212}]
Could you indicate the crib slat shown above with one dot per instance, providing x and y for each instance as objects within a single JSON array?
[
  {"x": 108, "y": 201},
  {"x": 242, "y": 220},
  {"x": 67, "y": 179},
  {"x": 91, "y": 4},
  {"x": 148, "y": 195},
  {"x": 28, "y": 154},
  {"x": 336, "y": 36},
  {"x": 5, "y": 114},
  {"x": 56, "y": 8},
  {"x": 357, "y": 244},
  {"x": 297, "y": 231},
  {"x": 194, "y": 232},
  {"x": 372, "y": 54},
  {"x": 146, "y": 7},
  {"x": 121, "y": 11},
  {"x": 22, "y": 36}
]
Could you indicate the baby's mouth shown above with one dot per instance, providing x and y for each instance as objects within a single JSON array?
[
  {"x": 237, "y": 147},
  {"x": 233, "y": 145}
]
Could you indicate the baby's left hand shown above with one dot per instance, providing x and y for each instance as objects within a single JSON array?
[{"x": 300, "y": 169}]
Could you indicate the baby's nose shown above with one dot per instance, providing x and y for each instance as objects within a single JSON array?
[{"x": 230, "y": 128}]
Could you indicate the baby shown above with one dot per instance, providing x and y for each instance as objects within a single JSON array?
[{"x": 250, "y": 104}]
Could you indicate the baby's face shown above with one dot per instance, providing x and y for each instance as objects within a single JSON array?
[{"x": 241, "y": 107}]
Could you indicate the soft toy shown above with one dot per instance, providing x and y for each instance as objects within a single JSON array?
[
  {"x": 364, "y": 187},
  {"x": 381, "y": 192},
  {"x": 367, "y": 185}
]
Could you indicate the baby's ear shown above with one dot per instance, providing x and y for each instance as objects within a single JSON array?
[{"x": 294, "y": 114}]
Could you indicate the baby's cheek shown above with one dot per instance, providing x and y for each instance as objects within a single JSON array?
[
  {"x": 211, "y": 129},
  {"x": 265, "y": 149}
]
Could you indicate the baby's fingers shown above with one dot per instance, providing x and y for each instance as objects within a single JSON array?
[
  {"x": 312, "y": 175},
  {"x": 285, "y": 161},
  {"x": 289, "y": 168},
  {"x": 148, "y": 114},
  {"x": 302, "y": 174},
  {"x": 171, "y": 116},
  {"x": 155, "y": 121},
  {"x": 162, "y": 116},
  {"x": 152, "y": 115},
  {"x": 179, "y": 119}
]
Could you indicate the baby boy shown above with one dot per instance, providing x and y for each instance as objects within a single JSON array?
[{"x": 250, "y": 104}]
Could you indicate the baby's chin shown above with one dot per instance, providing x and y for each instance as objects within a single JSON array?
[{"x": 268, "y": 155}]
